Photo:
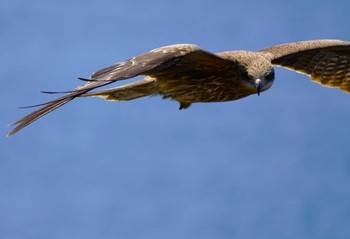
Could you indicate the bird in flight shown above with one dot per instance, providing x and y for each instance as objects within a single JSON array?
[{"x": 189, "y": 74}]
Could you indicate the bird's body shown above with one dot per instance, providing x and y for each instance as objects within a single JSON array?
[
  {"x": 196, "y": 83},
  {"x": 188, "y": 74}
]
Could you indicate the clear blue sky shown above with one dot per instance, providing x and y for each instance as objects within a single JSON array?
[{"x": 273, "y": 166}]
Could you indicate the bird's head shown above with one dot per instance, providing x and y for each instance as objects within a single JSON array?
[
  {"x": 261, "y": 76},
  {"x": 263, "y": 82}
]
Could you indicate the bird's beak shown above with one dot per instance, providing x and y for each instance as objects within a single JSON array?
[{"x": 258, "y": 86}]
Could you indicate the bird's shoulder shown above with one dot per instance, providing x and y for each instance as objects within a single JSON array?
[{"x": 243, "y": 57}]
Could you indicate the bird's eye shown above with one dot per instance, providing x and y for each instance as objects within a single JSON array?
[{"x": 270, "y": 76}]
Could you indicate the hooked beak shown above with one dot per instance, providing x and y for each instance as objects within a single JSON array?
[{"x": 258, "y": 86}]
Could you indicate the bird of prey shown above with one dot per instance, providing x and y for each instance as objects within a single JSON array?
[{"x": 189, "y": 74}]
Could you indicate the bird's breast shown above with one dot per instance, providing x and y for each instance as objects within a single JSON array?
[{"x": 211, "y": 88}]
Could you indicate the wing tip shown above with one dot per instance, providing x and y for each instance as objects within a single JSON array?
[{"x": 12, "y": 132}]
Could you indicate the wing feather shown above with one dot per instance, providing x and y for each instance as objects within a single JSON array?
[
  {"x": 135, "y": 66},
  {"x": 326, "y": 61}
]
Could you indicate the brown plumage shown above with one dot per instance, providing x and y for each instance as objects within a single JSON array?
[{"x": 188, "y": 74}]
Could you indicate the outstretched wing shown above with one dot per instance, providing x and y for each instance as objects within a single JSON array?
[
  {"x": 150, "y": 63},
  {"x": 198, "y": 64},
  {"x": 326, "y": 61}
]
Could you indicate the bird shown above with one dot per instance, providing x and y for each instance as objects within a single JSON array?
[{"x": 190, "y": 74}]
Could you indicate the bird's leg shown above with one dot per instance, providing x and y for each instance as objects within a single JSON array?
[{"x": 184, "y": 105}]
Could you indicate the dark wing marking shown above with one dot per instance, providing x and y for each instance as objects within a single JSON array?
[
  {"x": 197, "y": 65},
  {"x": 326, "y": 61},
  {"x": 123, "y": 70}
]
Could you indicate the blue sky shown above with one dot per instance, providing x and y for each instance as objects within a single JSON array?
[{"x": 273, "y": 166}]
